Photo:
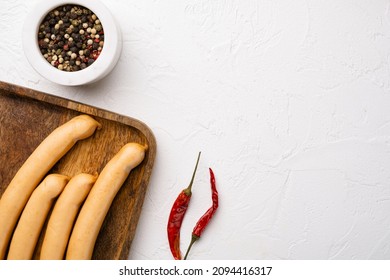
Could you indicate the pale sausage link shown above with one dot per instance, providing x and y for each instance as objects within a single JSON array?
[
  {"x": 63, "y": 216},
  {"x": 33, "y": 217},
  {"x": 99, "y": 200},
  {"x": 56, "y": 145}
]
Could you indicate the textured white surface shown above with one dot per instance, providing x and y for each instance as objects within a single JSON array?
[{"x": 288, "y": 102}]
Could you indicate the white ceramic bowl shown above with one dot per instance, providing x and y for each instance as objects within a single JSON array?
[{"x": 101, "y": 67}]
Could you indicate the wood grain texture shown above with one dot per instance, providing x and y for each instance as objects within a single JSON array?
[{"x": 28, "y": 116}]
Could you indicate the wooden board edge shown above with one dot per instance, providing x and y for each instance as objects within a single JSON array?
[{"x": 83, "y": 108}]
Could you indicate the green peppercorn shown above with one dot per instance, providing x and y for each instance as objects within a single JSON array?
[{"x": 98, "y": 27}]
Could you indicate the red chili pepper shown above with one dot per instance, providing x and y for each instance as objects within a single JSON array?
[
  {"x": 205, "y": 219},
  {"x": 176, "y": 216}
]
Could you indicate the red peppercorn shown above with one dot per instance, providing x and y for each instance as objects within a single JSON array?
[{"x": 95, "y": 54}]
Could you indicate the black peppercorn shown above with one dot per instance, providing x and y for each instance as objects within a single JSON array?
[{"x": 90, "y": 61}]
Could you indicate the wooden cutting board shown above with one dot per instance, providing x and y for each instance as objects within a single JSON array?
[{"x": 28, "y": 116}]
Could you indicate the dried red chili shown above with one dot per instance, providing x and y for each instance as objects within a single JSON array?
[
  {"x": 176, "y": 216},
  {"x": 205, "y": 219}
]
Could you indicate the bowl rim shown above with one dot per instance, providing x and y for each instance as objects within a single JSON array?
[{"x": 100, "y": 68}]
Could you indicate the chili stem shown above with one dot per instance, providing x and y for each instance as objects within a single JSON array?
[
  {"x": 193, "y": 239},
  {"x": 188, "y": 189}
]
